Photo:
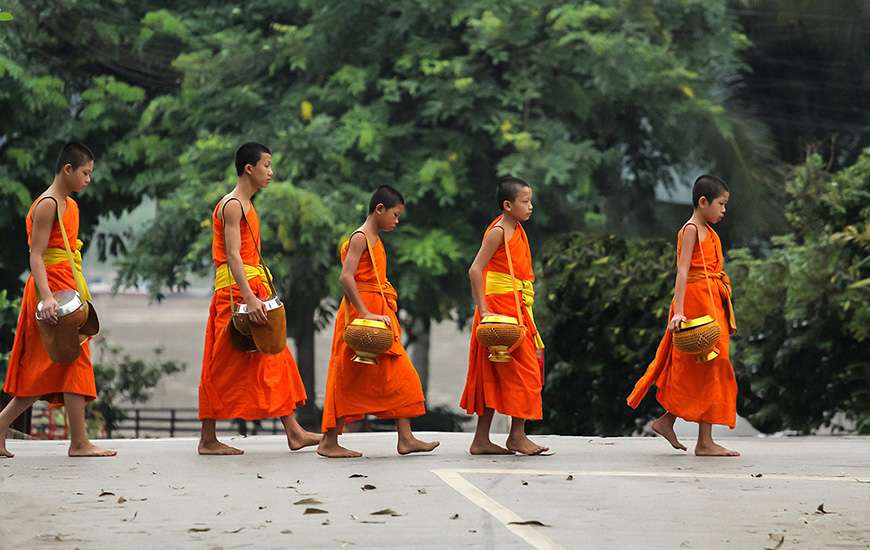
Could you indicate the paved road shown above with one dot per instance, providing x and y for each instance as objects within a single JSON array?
[{"x": 593, "y": 493}]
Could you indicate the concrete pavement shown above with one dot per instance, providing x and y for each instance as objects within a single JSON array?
[{"x": 592, "y": 493}]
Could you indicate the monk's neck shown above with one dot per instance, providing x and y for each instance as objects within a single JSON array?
[
  {"x": 244, "y": 189},
  {"x": 370, "y": 226},
  {"x": 58, "y": 190},
  {"x": 508, "y": 221}
]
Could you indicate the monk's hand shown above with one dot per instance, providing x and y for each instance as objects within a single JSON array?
[
  {"x": 382, "y": 318},
  {"x": 256, "y": 310},
  {"x": 678, "y": 318},
  {"x": 49, "y": 310},
  {"x": 485, "y": 313}
]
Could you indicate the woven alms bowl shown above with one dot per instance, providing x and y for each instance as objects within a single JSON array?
[
  {"x": 498, "y": 333},
  {"x": 698, "y": 336},
  {"x": 368, "y": 339}
]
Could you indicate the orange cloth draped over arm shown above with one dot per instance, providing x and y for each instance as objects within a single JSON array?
[
  {"x": 390, "y": 389},
  {"x": 31, "y": 371},
  {"x": 238, "y": 384},
  {"x": 697, "y": 392},
  {"x": 514, "y": 388}
]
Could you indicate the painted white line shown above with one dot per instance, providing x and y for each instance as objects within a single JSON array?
[
  {"x": 528, "y": 533},
  {"x": 620, "y": 473}
]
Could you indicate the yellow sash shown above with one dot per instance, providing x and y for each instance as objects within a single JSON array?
[
  {"x": 223, "y": 276},
  {"x": 500, "y": 283},
  {"x": 54, "y": 256}
]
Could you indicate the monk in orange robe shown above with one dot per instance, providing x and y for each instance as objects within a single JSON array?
[
  {"x": 512, "y": 388},
  {"x": 244, "y": 384},
  {"x": 702, "y": 392},
  {"x": 32, "y": 375},
  {"x": 390, "y": 388}
]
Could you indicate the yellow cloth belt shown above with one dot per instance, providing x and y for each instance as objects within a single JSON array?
[
  {"x": 223, "y": 276},
  {"x": 500, "y": 283},
  {"x": 723, "y": 284},
  {"x": 54, "y": 256}
]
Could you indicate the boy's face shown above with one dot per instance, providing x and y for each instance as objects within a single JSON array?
[
  {"x": 714, "y": 211},
  {"x": 521, "y": 207},
  {"x": 388, "y": 218},
  {"x": 77, "y": 179},
  {"x": 260, "y": 173}
]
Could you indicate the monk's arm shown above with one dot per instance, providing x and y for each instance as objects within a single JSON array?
[
  {"x": 43, "y": 220},
  {"x": 475, "y": 273},
  {"x": 684, "y": 262},
  {"x": 355, "y": 248},
  {"x": 232, "y": 214}
]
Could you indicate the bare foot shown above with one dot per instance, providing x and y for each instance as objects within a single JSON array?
[
  {"x": 4, "y": 452},
  {"x": 714, "y": 449},
  {"x": 217, "y": 448},
  {"x": 488, "y": 448},
  {"x": 302, "y": 439},
  {"x": 334, "y": 450},
  {"x": 89, "y": 449},
  {"x": 665, "y": 429},
  {"x": 414, "y": 445},
  {"x": 525, "y": 446}
]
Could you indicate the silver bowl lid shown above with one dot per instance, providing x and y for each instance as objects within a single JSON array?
[
  {"x": 272, "y": 303},
  {"x": 68, "y": 301}
]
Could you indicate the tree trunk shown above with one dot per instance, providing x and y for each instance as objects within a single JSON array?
[
  {"x": 420, "y": 344},
  {"x": 303, "y": 335}
]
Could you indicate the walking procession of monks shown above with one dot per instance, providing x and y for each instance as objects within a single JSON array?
[{"x": 249, "y": 373}]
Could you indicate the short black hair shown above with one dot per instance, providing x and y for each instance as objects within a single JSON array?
[
  {"x": 249, "y": 153},
  {"x": 386, "y": 195},
  {"x": 75, "y": 154},
  {"x": 710, "y": 187},
  {"x": 508, "y": 188}
]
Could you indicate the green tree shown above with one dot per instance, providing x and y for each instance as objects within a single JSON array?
[{"x": 802, "y": 307}]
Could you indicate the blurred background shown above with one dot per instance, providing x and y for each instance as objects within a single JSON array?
[{"x": 610, "y": 109}]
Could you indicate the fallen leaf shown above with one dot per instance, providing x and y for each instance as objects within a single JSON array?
[
  {"x": 261, "y": 507},
  {"x": 472, "y": 530},
  {"x": 368, "y": 487},
  {"x": 325, "y": 522},
  {"x": 234, "y": 531},
  {"x": 821, "y": 509},
  {"x": 529, "y": 522},
  {"x": 454, "y": 516},
  {"x": 106, "y": 494},
  {"x": 259, "y": 476},
  {"x": 387, "y": 512},
  {"x": 757, "y": 475},
  {"x": 121, "y": 500},
  {"x": 525, "y": 482},
  {"x": 180, "y": 487},
  {"x": 307, "y": 501},
  {"x": 351, "y": 476},
  {"x": 421, "y": 491},
  {"x": 286, "y": 532},
  {"x": 569, "y": 478},
  {"x": 373, "y": 522},
  {"x": 314, "y": 511},
  {"x": 199, "y": 529},
  {"x": 777, "y": 540}
]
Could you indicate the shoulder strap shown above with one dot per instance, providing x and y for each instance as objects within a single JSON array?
[
  {"x": 254, "y": 239},
  {"x": 703, "y": 262},
  {"x": 69, "y": 254},
  {"x": 374, "y": 265},
  {"x": 507, "y": 251}
]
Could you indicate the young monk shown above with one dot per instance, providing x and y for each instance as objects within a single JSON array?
[
  {"x": 32, "y": 375},
  {"x": 513, "y": 388},
  {"x": 240, "y": 384},
  {"x": 391, "y": 388},
  {"x": 705, "y": 393}
]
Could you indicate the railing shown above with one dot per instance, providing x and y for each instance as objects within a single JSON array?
[{"x": 159, "y": 422}]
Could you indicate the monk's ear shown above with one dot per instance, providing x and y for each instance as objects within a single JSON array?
[
  {"x": 67, "y": 169},
  {"x": 506, "y": 205},
  {"x": 703, "y": 202},
  {"x": 380, "y": 208}
]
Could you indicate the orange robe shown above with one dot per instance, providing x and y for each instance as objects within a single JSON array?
[
  {"x": 390, "y": 389},
  {"x": 31, "y": 371},
  {"x": 514, "y": 388},
  {"x": 237, "y": 384},
  {"x": 697, "y": 392}
]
